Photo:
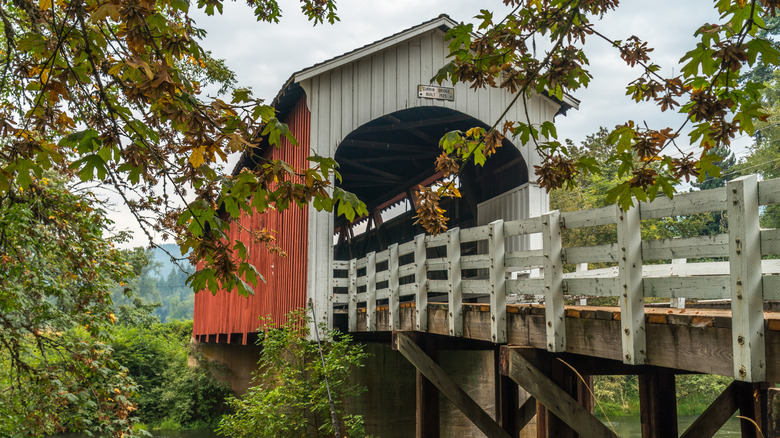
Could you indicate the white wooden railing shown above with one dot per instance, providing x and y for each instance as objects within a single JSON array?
[{"x": 741, "y": 279}]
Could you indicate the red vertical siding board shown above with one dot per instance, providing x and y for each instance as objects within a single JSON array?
[{"x": 285, "y": 286}]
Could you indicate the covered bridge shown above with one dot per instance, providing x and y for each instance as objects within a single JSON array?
[{"x": 375, "y": 110}]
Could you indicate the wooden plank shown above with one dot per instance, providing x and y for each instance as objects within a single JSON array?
[
  {"x": 597, "y": 287},
  {"x": 362, "y": 281},
  {"x": 340, "y": 299},
  {"x": 591, "y": 254},
  {"x": 352, "y": 305},
  {"x": 341, "y": 265},
  {"x": 434, "y": 241},
  {"x": 522, "y": 259},
  {"x": 382, "y": 256},
  {"x": 433, "y": 372},
  {"x": 588, "y": 218},
  {"x": 690, "y": 247},
  {"x": 530, "y": 286},
  {"x": 771, "y": 287},
  {"x": 406, "y": 290},
  {"x": 747, "y": 302},
  {"x": 406, "y": 270},
  {"x": 523, "y": 226},
  {"x": 371, "y": 291},
  {"x": 715, "y": 416},
  {"x": 769, "y": 192},
  {"x": 752, "y": 403},
  {"x": 340, "y": 282},
  {"x": 684, "y": 204},
  {"x": 393, "y": 300},
  {"x": 421, "y": 284},
  {"x": 437, "y": 264},
  {"x": 382, "y": 276},
  {"x": 427, "y": 397},
  {"x": 553, "y": 282},
  {"x": 440, "y": 286},
  {"x": 555, "y": 399},
  {"x": 710, "y": 288},
  {"x": 632, "y": 303},
  {"x": 770, "y": 242},
  {"x": 526, "y": 413},
  {"x": 474, "y": 234},
  {"x": 455, "y": 295},
  {"x": 406, "y": 248},
  {"x": 473, "y": 287},
  {"x": 658, "y": 404},
  {"x": 497, "y": 276},
  {"x": 480, "y": 261}
]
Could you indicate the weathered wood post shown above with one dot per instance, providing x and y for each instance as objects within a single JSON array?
[
  {"x": 394, "y": 300},
  {"x": 497, "y": 277},
  {"x": 352, "y": 293},
  {"x": 421, "y": 284},
  {"x": 455, "y": 296},
  {"x": 371, "y": 291},
  {"x": 553, "y": 282},
  {"x": 747, "y": 297},
  {"x": 632, "y": 303}
]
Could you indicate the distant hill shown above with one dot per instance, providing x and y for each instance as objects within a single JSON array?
[{"x": 162, "y": 261}]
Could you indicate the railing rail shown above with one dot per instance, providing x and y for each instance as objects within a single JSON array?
[{"x": 435, "y": 264}]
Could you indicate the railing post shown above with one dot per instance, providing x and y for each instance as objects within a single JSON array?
[
  {"x": 421, "y": 284},
  {"x": 497, "y": 253},
  {"x": 393, "y": 302},
  {"x": 371, "y": 291},
  {"x": 553, "y": 281},
  {"x": 747, "y": 296},
  {"x": 632, "y": 301},
  {"x": 455, "y": 297},
  {"x": 352, "y": 303}
]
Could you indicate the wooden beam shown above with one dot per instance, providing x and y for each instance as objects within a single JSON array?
[
  {"x": 715, "y": 416},
  {"x": 658, "y": 404},
  {"x": 507, "y": 398},
  {"x": 433, "y": 372},
  {"x": 427, "y": 396},
  {"x": 553, "y": 282},
  {"x": 747, "y": 302},
  {"x": 632, "y": 302},
  {"x": 526, "y": 413},
  {"x": 383, "y": 146},
  {"x": 752, "y": 403},
  {"x": 555, "y": 399}
]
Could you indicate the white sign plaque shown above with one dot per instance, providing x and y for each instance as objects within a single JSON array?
[{"x": 434, "y": 92}]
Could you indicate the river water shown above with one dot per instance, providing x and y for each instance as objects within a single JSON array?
[{"x": 631, "y": 427}]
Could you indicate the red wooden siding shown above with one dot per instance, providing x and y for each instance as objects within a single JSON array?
[{"x": 285, "y": 286}]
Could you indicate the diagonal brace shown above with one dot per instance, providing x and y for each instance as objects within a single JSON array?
[
  {"x": 436, "y": 375},
  {"x": 555, "y": 399}
]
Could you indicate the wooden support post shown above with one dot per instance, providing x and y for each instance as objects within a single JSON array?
[
  {"x": 658, "y": 404},
  {"x": 565, "y": 379},
  {"x": 553, "y": 282},
  {"x": 421, "y": 284},
  {"x": 555, "y": 399},
  {"x": 394, "y": 301},
  {"x": 497, "y": 254},
  {"x": 404, "y": 344},
  {"x": 715, "y": 416},
  {"x": 427, "y": 396},
  {"x": 747, "y": 305},
  {"x": 507, "y": 398},
  {"x": 352, "y": 303},
  {"x": 371, "y": 291},
  {"x": 752, "y": 403},
  {"x": 773, "y": 413},
  {"x": 632, "y": 302},
  {"x": 455, "y": 297}
]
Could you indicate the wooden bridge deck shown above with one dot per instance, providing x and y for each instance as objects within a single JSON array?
[{"x": 695, "y": 340}]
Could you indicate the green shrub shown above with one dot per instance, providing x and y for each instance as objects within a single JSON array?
[{"x": 289, "y": 397}]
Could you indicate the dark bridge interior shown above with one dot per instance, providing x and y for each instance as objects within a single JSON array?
[{"x": 385, "y": 160}]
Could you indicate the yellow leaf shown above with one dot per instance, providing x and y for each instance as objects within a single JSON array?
[
  {"x": 196, "y": 158},
  {"x": 45, "y": 4}
]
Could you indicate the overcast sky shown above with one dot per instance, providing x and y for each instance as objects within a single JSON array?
[{"x": 265, "y": 55}]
